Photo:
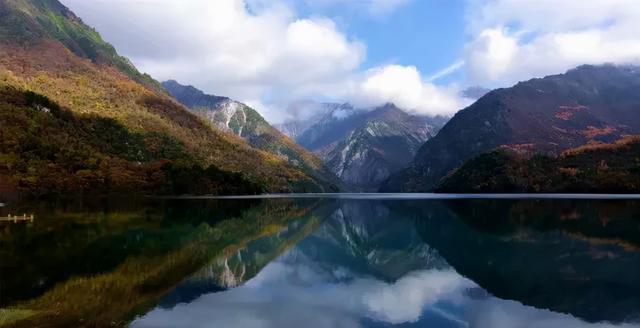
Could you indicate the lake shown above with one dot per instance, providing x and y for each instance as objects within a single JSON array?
[{"x": 322, "y": 261}]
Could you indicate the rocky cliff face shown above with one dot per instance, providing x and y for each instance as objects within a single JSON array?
[
  {"x": 227, "y": 114},
  {"x": 235, "y": 117},
  {"x": 585, "y": 105},
  {"x": 364, "y": 147}
]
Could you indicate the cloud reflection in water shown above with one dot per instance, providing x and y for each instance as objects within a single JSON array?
[{"x": 295, "y": 292}]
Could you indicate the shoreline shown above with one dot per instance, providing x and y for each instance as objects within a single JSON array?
[{"x": 418, "y": 196}]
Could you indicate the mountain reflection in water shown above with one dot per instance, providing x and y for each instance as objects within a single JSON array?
[{"x": 372, "y": 263}]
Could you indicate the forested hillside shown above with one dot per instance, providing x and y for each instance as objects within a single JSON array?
[
  {"x": 596, "y": 168},
  {"x": 547, "y": 115},
  {"x": 46, "y": 50}
]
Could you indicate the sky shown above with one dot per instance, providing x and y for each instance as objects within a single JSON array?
[{"x": 417, "y": 54}]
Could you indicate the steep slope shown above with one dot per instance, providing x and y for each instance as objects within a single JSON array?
[
  {"x": 47, "y": 149},
  {"x": 47, "y": 50},
  {"x": 243, "y": 121},
  {"x": 364, "y": 147},
  {"x": 27, "y": 23},
  {"x": 601, "y": 168},
  {"x": 548, "y": 115}
]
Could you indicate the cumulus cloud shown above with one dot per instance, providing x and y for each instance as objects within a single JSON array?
[
  {"x": 309, "y": 295},
  {"x": 259, "y": 52},
  {"x": 405, "y": 87},
  {"x": 225, "y": 47},
  {"x": 514, "y": 40},
  {"x": 262, "y": 53},
  {"x": 285, "y": 295}
]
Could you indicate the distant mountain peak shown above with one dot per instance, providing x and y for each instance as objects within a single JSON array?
[{"x": 364, "y": 146}]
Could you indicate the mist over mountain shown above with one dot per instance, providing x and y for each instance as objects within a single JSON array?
[
  {"x": 364, "y": 146},
  {"x": 306, "y": 113},
  {"x": 475, "y": 92}
]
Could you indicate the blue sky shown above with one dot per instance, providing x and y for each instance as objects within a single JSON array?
[
  {"x": 429, "y": 34},
  {"x": 272, "y": 53}
]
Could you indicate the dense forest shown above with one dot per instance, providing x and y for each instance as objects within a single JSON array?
[
  {"x": 50, "y": 149},
  {"x": 594, "y": 168}
]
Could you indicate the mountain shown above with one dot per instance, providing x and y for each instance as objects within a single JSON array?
[
  {"x": 77, "y": 116},
  {"x": 546, "y": 115},
  {"x": 363, "y": 147},
  {"x": 304, "y": 114},
  {"x": 596, "y": 168},
  {"x": 237, "y": 118}
]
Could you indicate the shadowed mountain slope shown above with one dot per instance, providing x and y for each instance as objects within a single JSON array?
[{"x": 548, "y": 115}]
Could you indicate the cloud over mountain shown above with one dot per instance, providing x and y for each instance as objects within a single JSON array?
[
  {"x": 269, "y": 53},
  {"x": 260, "y": 52},
  {"x": 517, "y": 40}
]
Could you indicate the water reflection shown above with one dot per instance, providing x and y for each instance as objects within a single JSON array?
[
  {"x": 99, "y": 264},
  {"x": 390, "y": 263},
  {"x": 586, "y": 265},
  {"x": 326, "y": 263}
]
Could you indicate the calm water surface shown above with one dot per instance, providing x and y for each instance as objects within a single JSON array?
[{"x": 322, "y": 262}]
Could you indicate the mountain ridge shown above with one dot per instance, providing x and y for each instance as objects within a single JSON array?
[
  {"x": 544, "y": 115},
  {"x": 245, "y": 122},
  {"x": 48, "y": 51},
  {"x": 364, "y": 146}
]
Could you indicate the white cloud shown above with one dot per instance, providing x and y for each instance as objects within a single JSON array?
[
  {"x": 296, "y": 294},
  {"x": 491, "y": 54},
  {"x": 226, "y": 47},
  {"x": 446, "y": 71},
  {"x": 262, "y": 53},
  {"x": 284, "y": 295},
  {"x": 259, "y": 52},
  {"x": 518, "y": 39},
  {"x": 405, "y": 87}
]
